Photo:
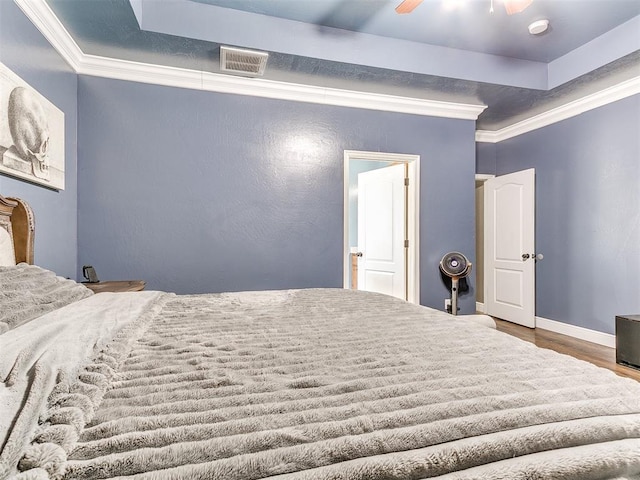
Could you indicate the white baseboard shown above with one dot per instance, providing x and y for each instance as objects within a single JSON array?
[{"x": 593, "y": 336}]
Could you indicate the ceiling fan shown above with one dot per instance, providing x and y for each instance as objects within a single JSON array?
[{"x": 511, "y": 6}]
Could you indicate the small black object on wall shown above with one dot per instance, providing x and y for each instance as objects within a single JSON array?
[{"x": 90, "y": 274}]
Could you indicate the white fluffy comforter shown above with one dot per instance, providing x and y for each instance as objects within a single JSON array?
[{"x": 312, "y": 384}]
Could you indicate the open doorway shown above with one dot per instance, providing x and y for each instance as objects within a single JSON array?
[
  {"x": 365, "y": 164},
  {"x": 479, "y": 265}
]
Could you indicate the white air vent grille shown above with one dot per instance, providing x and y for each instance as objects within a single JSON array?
[{"x": 243, "y": 62}]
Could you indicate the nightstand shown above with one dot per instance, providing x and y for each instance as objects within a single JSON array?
[{"x": 117, "y": 286}]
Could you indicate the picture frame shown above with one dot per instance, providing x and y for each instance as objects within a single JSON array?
[{"x": 31, "y": 133}]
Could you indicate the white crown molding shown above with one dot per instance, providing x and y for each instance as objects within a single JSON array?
[
  {"x": 45, "y": 20},
  {"x": 333, "y": 96},
  {"x": 487, "y": 136},
  {"x": 139, "y": 72},
  {"x": 608, "y": 95},
  {"x": 214, "y": 82},
  {"x": 593, "y": 336}
]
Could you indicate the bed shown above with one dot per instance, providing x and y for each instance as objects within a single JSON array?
[{"x": 299, "y": 384}]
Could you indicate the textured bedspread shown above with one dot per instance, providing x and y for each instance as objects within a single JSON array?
[
  {"x": 336, "y": 384},
  {"x": 28, "y": 291}
]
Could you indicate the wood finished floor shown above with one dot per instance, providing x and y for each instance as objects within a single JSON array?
[{"x": 597, "y": 354}]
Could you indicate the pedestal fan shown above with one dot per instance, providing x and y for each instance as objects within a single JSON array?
[{"x": 455, "y": 266}]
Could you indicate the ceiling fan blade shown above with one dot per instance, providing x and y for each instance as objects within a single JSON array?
[
  {"x": 407, "y": 6},
  {"x": 516, "y": 6}
]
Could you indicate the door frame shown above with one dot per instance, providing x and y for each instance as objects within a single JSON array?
[
  {"x": 482, "y": 177},
  {"x": 412, "y": 215}
]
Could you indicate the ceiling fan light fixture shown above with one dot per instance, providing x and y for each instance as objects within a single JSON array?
[
  {"x": 454, "y": 4},
  {"x": 407, "y": 6},
  {"x": 516, "y": 6},
  {"x": 538, "y": 27}
]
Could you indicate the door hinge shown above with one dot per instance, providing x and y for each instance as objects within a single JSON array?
[
  {"x": 406, "y": 182},
  {"x": 406, "y": 244}
]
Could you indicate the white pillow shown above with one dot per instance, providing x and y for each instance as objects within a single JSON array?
[{"x": 7, "y": 254}]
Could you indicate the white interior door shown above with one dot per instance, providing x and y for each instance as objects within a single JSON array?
[
  {"x": 509, "y": 236},
  {"x": 381, "y": 231}
]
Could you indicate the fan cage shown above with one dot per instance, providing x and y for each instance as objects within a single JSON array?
[{"x": 460, "y": 269}]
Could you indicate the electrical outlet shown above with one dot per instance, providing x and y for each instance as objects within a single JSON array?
[{"x": 447, "y": 304}]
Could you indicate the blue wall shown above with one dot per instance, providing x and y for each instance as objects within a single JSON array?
[
  {"x": 28, "y": 54},
  {"x": 587, "y": 212},
  {"x": 198, "y": 191},
  {"x": 486, "y": 158}
]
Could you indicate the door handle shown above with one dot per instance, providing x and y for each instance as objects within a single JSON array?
[
  {"x": 357, "y": 254},
  {"x": 525, "y": 256}
]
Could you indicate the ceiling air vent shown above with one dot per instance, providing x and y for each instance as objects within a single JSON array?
[{"x": 243, "y": 62}]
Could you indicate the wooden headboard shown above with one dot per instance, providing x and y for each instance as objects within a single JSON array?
[{"x": 17, "y": 218}]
